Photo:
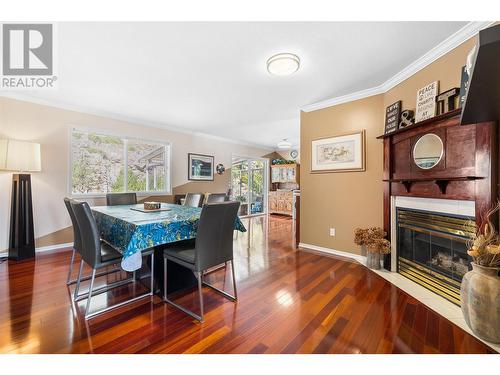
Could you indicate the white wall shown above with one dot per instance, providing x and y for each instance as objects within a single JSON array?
[{"x": 50, "y": 126}]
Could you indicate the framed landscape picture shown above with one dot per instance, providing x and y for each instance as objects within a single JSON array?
[
  {"x": 342, "y": 153},
  {"x": 200, "y": 167}
]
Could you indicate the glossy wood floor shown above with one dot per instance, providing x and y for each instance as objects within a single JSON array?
[{"x": 289, "y": 302}]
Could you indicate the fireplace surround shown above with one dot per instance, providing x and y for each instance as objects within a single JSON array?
[{"x": 460, "y": 186}]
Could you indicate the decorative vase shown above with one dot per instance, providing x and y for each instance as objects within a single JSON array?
[
  {"x": 480, "y": 294},
  {"x": 373, "y": 260},
  {"x": 364, "y": 250}
]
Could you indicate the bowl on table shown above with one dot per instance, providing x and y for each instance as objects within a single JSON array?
[{"x": 152, "y": 205}]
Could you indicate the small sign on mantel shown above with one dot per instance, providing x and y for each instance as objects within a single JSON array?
[
  {"x": 426, "y": 102},
  {"x": 392, "y": 114}
]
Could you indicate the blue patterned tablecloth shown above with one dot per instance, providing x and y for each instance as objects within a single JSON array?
[{"x": 131, "y": 231}]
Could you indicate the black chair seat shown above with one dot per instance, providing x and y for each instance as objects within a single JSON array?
[
  {"x": 108, "y": 253},
  {"x": 183, "y": 253}
]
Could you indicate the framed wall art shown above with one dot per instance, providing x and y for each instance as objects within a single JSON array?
[
  {"x": 426, "y": 102},
  {"x": 200, "y": 167},
  {"x": 341, "y": 153},
  {"x": 392, "y": 114}
]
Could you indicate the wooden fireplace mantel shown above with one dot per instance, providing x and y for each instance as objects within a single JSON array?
[
  {"x": 468, "y": 169},
  {"x": 441, "y": 182},
  {"x": 447, "y": 115}
]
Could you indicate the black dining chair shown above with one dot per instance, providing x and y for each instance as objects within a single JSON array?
[
  {"x": 77, "y": 241},
  {"x": 217, "y": 198},
  {"x": 77, "y": 245},
  {"x": 194, "y": 199},
  {"x": 120, "y": 199},
  {"x": 98, "y": 254},
  {"x": 213, "y": 247}
]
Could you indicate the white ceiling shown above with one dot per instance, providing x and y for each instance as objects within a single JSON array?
[{"x": 212, "y": 78}]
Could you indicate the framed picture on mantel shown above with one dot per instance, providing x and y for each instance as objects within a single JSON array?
[
  {"x": 341, "y": 153},
  {"x": 426, "y": 102},
  {"x": 392, "y": 114}
]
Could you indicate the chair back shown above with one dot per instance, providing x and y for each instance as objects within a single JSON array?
[
  {"x": 194, "y": 199},
  {"x": 119, "y": 199},
  {"x": 214, "y": 239},
  {"x": 77, "y": 238},
  {"x": 91, "y": 242},
  {"x": 217, "y": 198}
]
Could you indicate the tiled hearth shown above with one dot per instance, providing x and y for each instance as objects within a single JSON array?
[{"x": 438, "y": 304}]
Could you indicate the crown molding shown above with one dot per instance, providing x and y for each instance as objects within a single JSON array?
[
  {"x": 128, "y": 119},
  {"x": 450, "y": 43},
  {"x": 343, "y": 99}
]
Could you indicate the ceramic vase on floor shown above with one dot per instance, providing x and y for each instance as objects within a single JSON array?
[
  {"x": 480, "y": 295},
  {"x": 373, "y": 260}
]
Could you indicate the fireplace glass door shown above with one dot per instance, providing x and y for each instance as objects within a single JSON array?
[{"x": 432, "y": 250}]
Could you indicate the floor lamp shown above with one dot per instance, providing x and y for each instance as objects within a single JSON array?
[{"x": 22, "y": 157}]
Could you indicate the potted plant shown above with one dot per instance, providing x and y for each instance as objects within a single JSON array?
[
  {"x": 373, "y": 244},
  {"x": 480, "y": 289}
]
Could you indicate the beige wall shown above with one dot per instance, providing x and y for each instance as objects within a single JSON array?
[
  {"x": 348, "y": 200},
  {"x": 446, "y": 70},
  {"x": 50, "y": 127}
]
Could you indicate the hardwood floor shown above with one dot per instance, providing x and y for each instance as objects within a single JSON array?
[{"x": 289, "y": 302}]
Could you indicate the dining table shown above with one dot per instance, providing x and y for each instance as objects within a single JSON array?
[{"x": 131, "y": 229}]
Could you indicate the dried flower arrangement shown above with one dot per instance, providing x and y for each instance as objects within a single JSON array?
[
  {"x": 484, "y": 247},
  {"x": 373, "y": 239}
]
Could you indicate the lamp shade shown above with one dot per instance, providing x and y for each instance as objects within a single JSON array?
[{"x": 19, "y": 156}]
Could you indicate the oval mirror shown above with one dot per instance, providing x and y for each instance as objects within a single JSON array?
[{"x": 428, "y": 151}]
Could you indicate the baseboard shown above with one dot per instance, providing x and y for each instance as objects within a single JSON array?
[
  {"x": 360, "y": 258},
  {"x": 54, "y": 247},
  {"x": 44, "y": 248}
]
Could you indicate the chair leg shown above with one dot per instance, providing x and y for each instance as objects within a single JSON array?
[
  {"x": 89, "y": 298},
  {"x": 234, "y": 280},
  {"x": 106, "y": 273},
  {"x": 71, "y": 267},
  {"x": 200, "y": 293},
  {"x": 183, "y": 309},
  {"x": 77, "y": 289},
  {"x": 224, "y": 293},
  {"x": 152, "y": 272},
  {"x": 94, "y": 292},
  {"x": 164, "y": 279}
]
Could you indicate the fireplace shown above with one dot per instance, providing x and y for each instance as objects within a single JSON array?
[{"x": 432, "y": 249}]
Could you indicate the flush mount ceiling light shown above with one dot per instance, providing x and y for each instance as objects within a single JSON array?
[
  {"x": 284, "y": 145},
  {"x": 283, "y": 64}
]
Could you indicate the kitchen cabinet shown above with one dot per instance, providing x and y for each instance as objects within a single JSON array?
[
  {"x": 281, "y": 202},
  {"x": 285, "y": 173}
]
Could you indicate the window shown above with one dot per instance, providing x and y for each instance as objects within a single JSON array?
[{"x": 103, "y": 164}]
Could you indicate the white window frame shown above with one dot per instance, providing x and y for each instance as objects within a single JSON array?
[
  {"x": 265, "y": 190},
  {"x": 125, "y": 139}
]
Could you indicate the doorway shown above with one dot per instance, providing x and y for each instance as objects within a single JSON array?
[{"x": 249, "y": 184}]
